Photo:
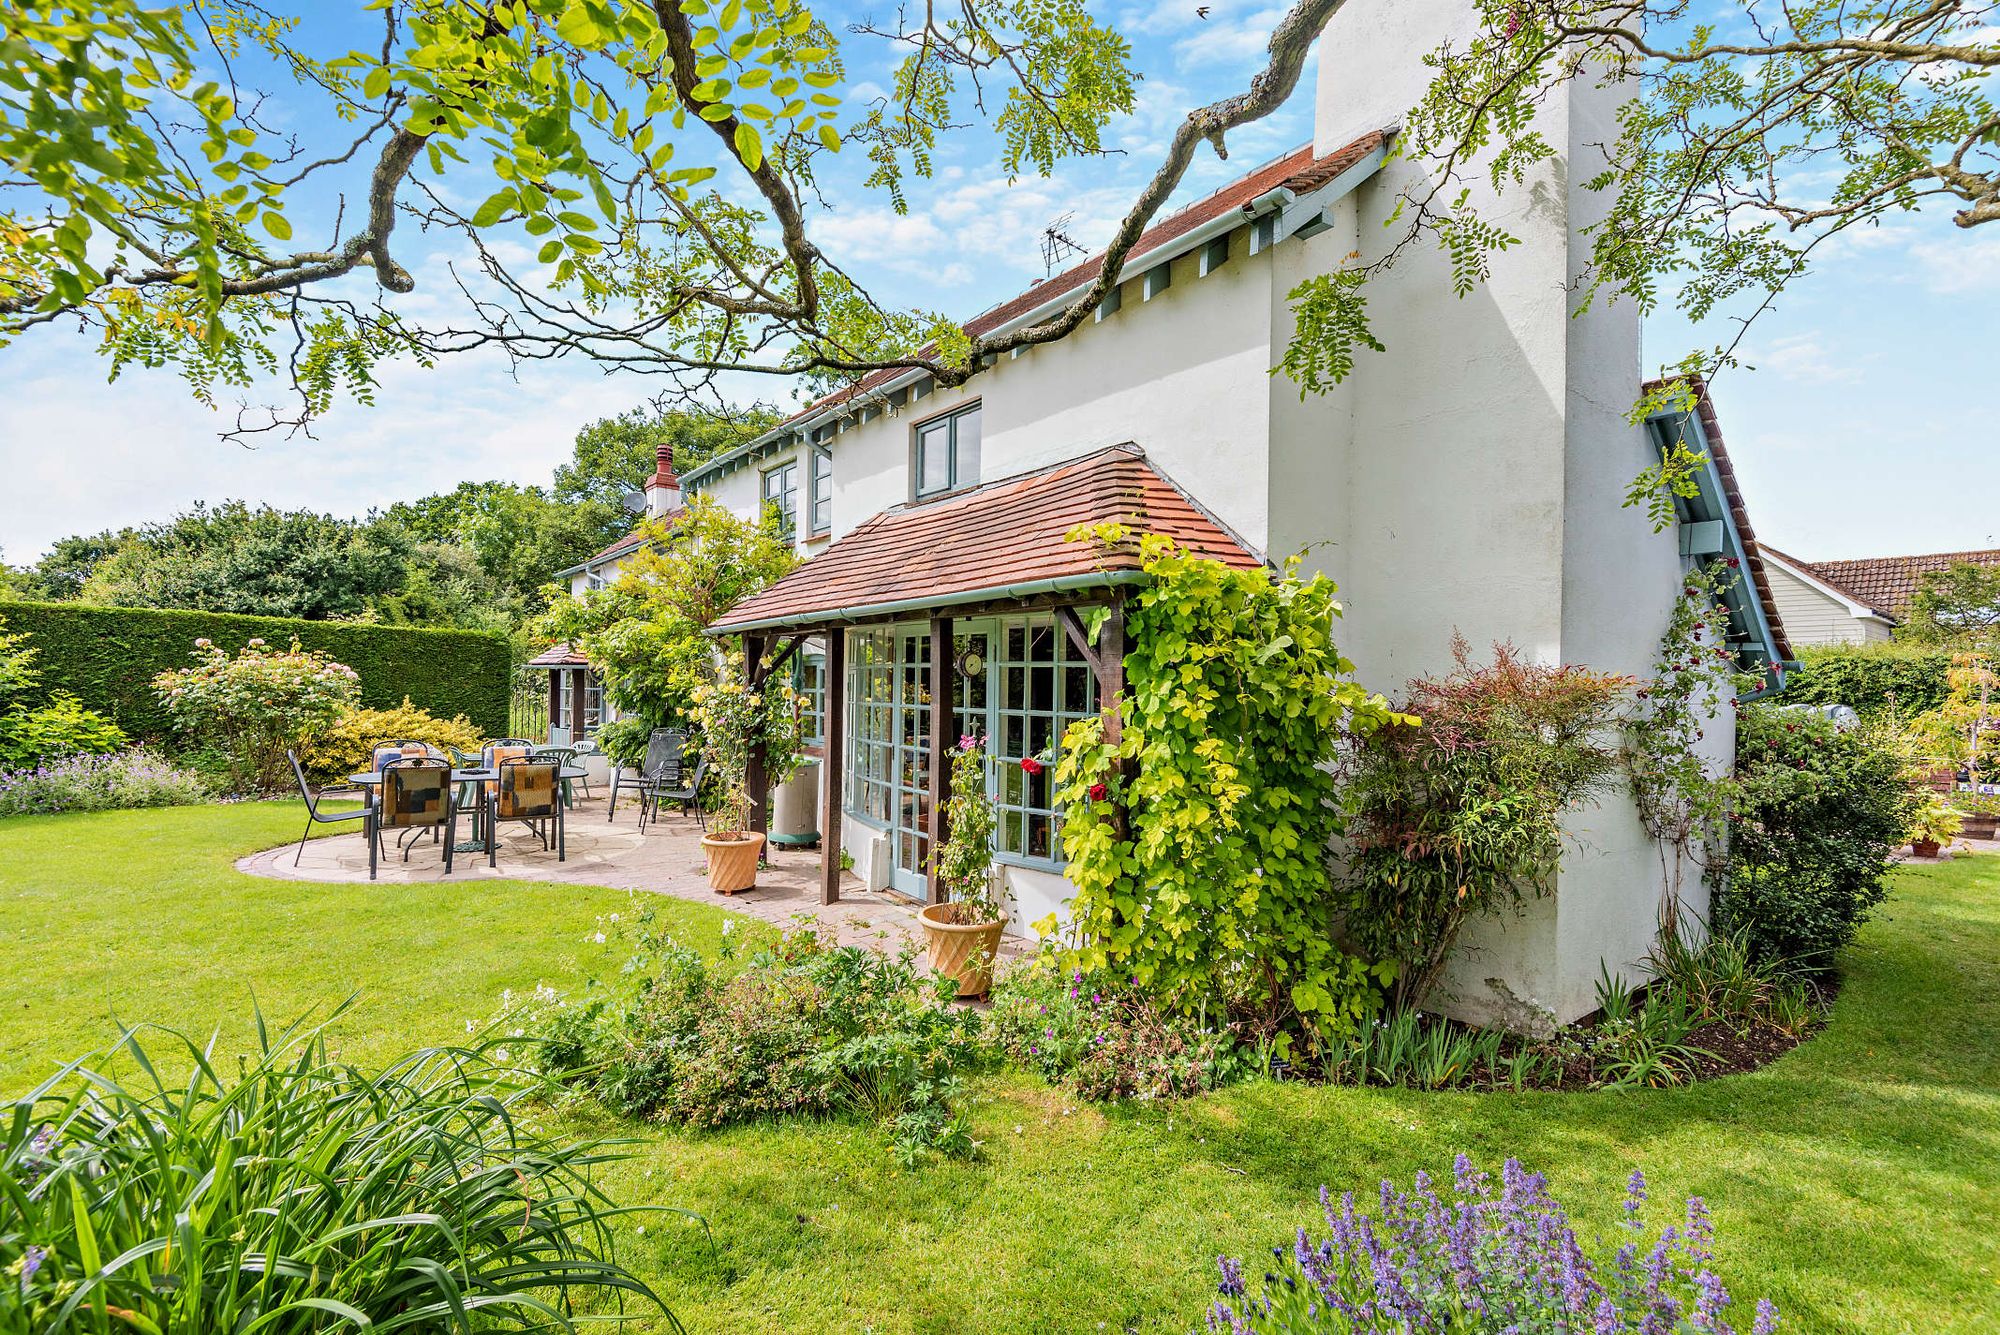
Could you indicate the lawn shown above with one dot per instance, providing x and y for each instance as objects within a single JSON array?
[{"x": 1855, "y": 1182}]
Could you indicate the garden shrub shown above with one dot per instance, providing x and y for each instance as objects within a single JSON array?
[
  {"x": 1462, "y": 814},
  {"x": 256, "y": 706},
  {"x": 135, "y": 778},
  {"x": 288, "y": 1193},
  {"x": 804, "y": 1028},
  {"x": 59, "y": 726},
  {"x": 1197, "y": 841},
  {"x": 347, "y": 744},
  {"x": 1474, "y": 1262},
  {"x": 108, "y": 656},
  {"x": 1874, "y": 679},
  {"x": 1818, "y": 812},
  {"x": 1109, "y": 1042}
]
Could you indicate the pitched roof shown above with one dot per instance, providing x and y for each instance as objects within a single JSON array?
[
  {"x": 1298, "y": 171},
  {"x": 1804, "y": 570},
  {"x": 1739, "y": 513},
  {"x": 558, "y": 655},
  {"x": 1000, "y": 540},
  {"x": 1888, "y": 583}
]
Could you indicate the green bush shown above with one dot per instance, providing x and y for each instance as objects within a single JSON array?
[
  {"x": 57, "y": 726},
  {"x": 348, "y": 744},
  {"x": 1870, "y": 679},
  {"x": 1818, "y": 813},
  {"x": 256, "y": 706},
  {"x": 108, "y": 657},
  {"x": 287, "y": 1193}
]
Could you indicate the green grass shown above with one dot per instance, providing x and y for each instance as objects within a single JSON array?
[{"x": 1856, "y": 1182}]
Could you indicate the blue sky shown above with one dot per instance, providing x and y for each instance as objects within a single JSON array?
[{"x": 1862, "y": 430}]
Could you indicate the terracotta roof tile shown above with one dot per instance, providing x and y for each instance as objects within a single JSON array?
[
  {"x": 1732, "y": 493},
  {"x": 1888, "y": 583},
  {"x": 986, "y": 541},
  {"x": 559, "y": 655}
]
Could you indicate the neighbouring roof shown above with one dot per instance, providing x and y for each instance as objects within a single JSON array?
[
  {"x": 1299, "y": 171},
  {"x": 1753, "y": 617},
  {"x": 1805, "y": 572},
  {"x": 1888, "y": 583},
  {"x": 623, "y": 547},
  {"x": 558, "y": 655},
  {"x": 1001, "y": 540}
]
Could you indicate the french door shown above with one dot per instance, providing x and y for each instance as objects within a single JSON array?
[{"x": 909, "y": 804}]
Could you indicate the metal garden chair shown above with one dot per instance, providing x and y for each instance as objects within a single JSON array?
[
  {"x": 526, "y": 791},
  {"x": 663, "y": 756},
  {"x": 314, "y": 816},
  {"x": 416, "y": 795},
  {"x": 684, "y": 789}
]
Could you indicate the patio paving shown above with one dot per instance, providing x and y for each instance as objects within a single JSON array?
[{"x": 667, "y": 859}]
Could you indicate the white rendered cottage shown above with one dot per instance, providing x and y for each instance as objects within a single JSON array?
[{"x": 1469, "y": 480}]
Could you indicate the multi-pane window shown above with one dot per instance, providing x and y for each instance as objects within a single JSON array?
[
  {"x": 781, "y": 490},
  {"x": 593, "y": 702},
  {"x": 810, "y": 682},
  {"x": 1040, "y": 686},
  {"x": 948, "y": 452},
  {"x": 872, "y": 705},
  {"x": 820, "y": 518}
]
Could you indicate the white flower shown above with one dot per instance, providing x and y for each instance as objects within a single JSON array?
[
  {"x": 500, "y": 1054},
  {"x": 614, "y": 917},
  {"x": 468, "y": 1026},
  {"x": 598, "y": 937}
]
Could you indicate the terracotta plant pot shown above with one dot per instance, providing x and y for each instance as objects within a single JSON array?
[
  {"x": 732, "y": 859},
  {"x": 962, "y": 951},
  {"x": 1924, "y": 848},
  {"x": 1980, "y": 827}
]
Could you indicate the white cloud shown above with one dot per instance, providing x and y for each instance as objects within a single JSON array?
[
  {"x": 1232, "y": 35},
  {"x": 1802, "y": 358},
  {"x": 1959, "y": 262}
]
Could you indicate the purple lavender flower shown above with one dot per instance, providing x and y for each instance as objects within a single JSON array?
[
  {"x": 1232, "y": 1277},
  {"x": 31, "y": 1261}
]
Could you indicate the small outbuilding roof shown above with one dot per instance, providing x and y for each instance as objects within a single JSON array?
[
  {"x": 558, "y": 655},
  {"x": 997, "y": 542}
]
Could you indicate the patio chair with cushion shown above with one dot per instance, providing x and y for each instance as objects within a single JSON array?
[
  {"x": 314, "y": 816},
  {"x": 564, "y": 757},
  {"x": 527, "y": 791},
  {"x": 664, "y": 747},
  {"x": 415, "y": 796},
  {"x": 683, "y": 788}
]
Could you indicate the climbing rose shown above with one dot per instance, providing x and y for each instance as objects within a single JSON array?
[
  {"x": 1030, "y": 765},
  {"x": 1098, "y": 792}
]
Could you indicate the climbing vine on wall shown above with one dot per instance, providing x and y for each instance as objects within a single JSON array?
[{"x": 1198, "y": 839}]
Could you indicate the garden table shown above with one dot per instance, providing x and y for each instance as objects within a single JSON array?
[{"x": 371, "y": 780}]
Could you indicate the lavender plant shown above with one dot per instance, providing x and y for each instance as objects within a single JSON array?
[
  {"x": 1477, "y": 1262},
  {"x": 135, "y": 778}
]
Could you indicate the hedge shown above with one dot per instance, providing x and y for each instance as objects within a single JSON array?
[
  {"x": 108, "y": 656},
  {"x": 1872, "y": 679}
]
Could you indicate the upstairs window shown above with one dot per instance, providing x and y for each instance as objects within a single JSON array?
[
  {"x": 820, "y": 520},
  {"x": 781, "y": 491},
  {"x": 948, "y": 453}
]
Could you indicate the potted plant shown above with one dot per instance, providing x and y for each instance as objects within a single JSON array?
[
  {"x": 734, "y": 720},
  {"x": 1934, "y": 823},
  {"x": 963, "y": 933},
  {"x": 1979, "y": 814}
]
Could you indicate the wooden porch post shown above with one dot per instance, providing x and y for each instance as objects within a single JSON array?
[
  {"x": 579, "y": 681},
  {"x": 555, "y": 695},
  {"x": 941, "y": 744},
  {"x": 753, "y": 778},
  {"x": 833, "y": 759}
]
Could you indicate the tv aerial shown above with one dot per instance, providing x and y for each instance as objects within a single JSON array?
[{"x": 1057, "y": 244}]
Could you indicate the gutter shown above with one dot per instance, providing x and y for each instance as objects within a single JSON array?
[
  {"x": 838, "y": 616},
  {"x": 1135, "y": 266}
]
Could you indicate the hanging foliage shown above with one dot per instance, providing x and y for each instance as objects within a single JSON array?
[{"x": 1198, "y": 839}]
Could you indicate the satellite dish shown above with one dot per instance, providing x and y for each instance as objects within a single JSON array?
[{"x": 635, "y": 501}]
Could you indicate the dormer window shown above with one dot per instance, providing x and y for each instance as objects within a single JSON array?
[{"x": 947, "y": 453}]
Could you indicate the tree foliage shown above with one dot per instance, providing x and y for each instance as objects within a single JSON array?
[
  {"x": 1198, "y": 839},
  {"x": 1956, "y": 606}
]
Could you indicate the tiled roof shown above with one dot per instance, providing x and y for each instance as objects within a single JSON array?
[
  {"x": 558, "y": 655},
  {"x": 1738, "y": 511},
  {"x": 1887, "y": 583},
  {"x": 1298, "y": 171},
  {"x": 995, "y": 541},
  {"x": 1805, "y": 569}
]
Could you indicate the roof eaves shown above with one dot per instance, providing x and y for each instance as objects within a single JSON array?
[
  {"x": 1804, "y": 571},
  {"x": 1316, "y": 198}
]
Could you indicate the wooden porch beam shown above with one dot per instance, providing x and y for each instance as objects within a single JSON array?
[
  {"x": 833, "y": 758},
  {"x": 941, "y": 744}
]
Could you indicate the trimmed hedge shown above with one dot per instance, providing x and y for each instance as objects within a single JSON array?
[
  {"x": 1872, "y": 679},
  {"x": 108, "y": 656}
]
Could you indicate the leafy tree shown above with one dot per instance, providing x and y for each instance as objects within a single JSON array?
[
  {"x": 1957, "y": 605},
  {"x": 615, "y": 455},
  {"x": 61, "y": 574},
  {"x": 517, "y": 536},
  {"x": 657, "y": 160},
  {"x": 645, "y": 630}
]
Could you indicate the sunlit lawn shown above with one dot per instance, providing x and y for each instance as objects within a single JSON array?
[{"x": 1856, "y": 1182}]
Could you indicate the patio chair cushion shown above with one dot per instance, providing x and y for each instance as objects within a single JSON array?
[
  {"x": 527, "y": 791},
  {"x": 415, "y": 795},
  {"x": 493, "y": 757}
]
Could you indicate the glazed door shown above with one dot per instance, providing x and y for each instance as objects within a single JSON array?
[{"x": 910, "y": 798}]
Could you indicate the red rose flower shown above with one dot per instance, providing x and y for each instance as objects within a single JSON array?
[
  {"x": 1030, "y": 765},
  {"x": 1098, "y": 792}
]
